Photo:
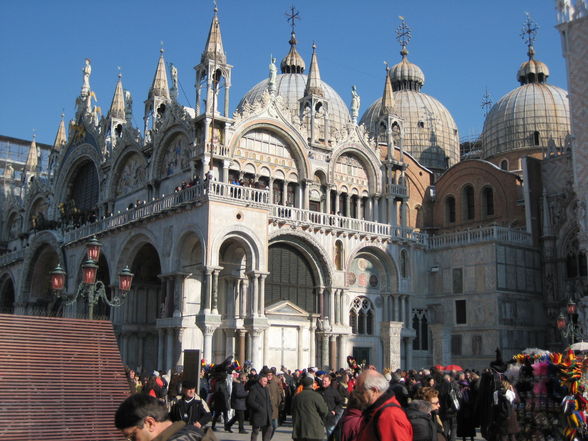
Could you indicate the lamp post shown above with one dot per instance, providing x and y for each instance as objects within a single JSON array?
[
  {"x": 569, "y": 327},
  {"x": 90, "y": 288}
]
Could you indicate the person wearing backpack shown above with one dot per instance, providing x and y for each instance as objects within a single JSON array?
[
  {"x": 423, "y": 426},
  {"x": 504, "y": 417},
  {"x": 384, "y": 419}
]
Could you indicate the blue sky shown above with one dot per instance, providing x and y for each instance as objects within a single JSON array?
[{"x": 463, "y": 47}]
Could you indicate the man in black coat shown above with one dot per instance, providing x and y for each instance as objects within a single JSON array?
[
  {"x": 190, "y": 408},
  {"x": 260, "y": 409},
  {"x": 334, "y": 401},
  {"x": 239, "y": 402}
]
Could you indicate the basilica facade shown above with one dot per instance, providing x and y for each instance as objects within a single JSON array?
[{"x": 293, "y": 232}]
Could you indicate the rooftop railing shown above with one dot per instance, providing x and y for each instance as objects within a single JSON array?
[{"x": 477, "y": 235}]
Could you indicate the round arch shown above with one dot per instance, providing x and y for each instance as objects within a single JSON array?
[
  {"x": 370, "y": 164},
  {"x": 296, "y": 143},
  {"x": 172, "y": 135},
  {"x": 382, "y": 261},
  {"x": 7, "y": 294},
  {"x": 251, "y": 245},
  {"x": 125, "y": 166}
]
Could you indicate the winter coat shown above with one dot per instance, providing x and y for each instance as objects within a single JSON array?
[
  {"x": 308, "y": 413},
  {"x": 190, "y": 412},
  {"x": 423, "y": 426},
  {"x": 466, "y": 426},
  {"x": 351, "y": 423},
  {"x": 179, "y": 431},
  {"x": 221, "y": 398},
  {"x": 259, "y": 405},
  {"x": 239, "y": 396},
  {"x": 276, "y": 396},
  {"x": 391, "y": 425},
  {"x": 334, "y": 402}
]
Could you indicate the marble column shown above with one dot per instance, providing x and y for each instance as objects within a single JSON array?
[
  {"x": 391, "y": 340},
  {"x": 333, "y": 352},
  {"x": 324, "y": 349},
  {"x": 376, "y": 210},
  {"x": 208, "y": 331},
  {"x": 207, "y": 289},
  {"x": 301, "y": 345},
  {"x": 328, "y": 200},
  {"x": 370, "y": 209},
  {"x": 245, "y": 300},
  {"x": 255, "y": 294},
  {"x": 358, "y": 208},
  {"x": 241, "y": 355},
  {"x": 337, "y": 202},
  {"x": 392, "y": 213},
  {"x": 404, "y": 214},
  {"x": 256, "y": 349},
  {"x": 169, "y": 349},
  {"x": 285, "y": 194},
  {"x": 312, "y": 360},
  {"x": 261, "y": 290},
  {"x": 331, "y": 296},
  {"x": 215, "y": 275},
  {"x": 226, "y": 164},
  {"x": 160, "y": 347}
]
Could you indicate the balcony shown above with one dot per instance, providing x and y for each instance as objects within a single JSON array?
[
  {"x": 477, "y": 235},
  {"x": 397, "y": 190}
]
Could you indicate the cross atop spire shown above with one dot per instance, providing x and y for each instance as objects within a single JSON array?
[
  {"x": 403, "y": 35},
  {"x": 293, "y": 15},
  {"x": 529, "y": 33}
]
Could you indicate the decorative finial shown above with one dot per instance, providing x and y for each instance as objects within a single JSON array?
[
  {"x": 528, "y": 34},
  {"x": 313, "y": 46},
  {"x": 293, "y": 15},
  {"x": 34, "y": 134},
  {"x": 215, "y": 6},
  {"x": 119, "y": 72},
  {"x": 387, "y": 66},
  {"x": 161, "y": 50},
  {"x": 403, "y": 35},
  {"x": 486, "y": 103}
]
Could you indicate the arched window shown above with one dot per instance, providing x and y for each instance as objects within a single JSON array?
[
  {"x": 468, "y": 203},
  {"x": 421, "y": 326},
  {"x": 535, "y": 138},
  {"x": 504, "y": 164},
  {"x": 362, "y": 316},
  {"x": 488, "y": 201},
  {"x": 450, "y": 209},
  {"x": 339, "y": 255}
]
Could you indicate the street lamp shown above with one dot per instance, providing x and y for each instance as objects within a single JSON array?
[
  {"x": 570, "y": 328},
  {"x": 90, "y": 288}
]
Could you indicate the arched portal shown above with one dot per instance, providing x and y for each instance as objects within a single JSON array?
[
  {"x": 41, "y": 300},
  {"x": 136, "y": 318},
  {"x": 6, "y": 295}
]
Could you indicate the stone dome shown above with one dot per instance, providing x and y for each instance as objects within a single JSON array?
[
  {"x": 430, "y": 133},
  {"x": 291, "y": 87},
  {"x": 534, "y": 116}
]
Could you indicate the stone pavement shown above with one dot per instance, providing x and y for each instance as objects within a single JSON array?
[{"x": 284, "y": 433}]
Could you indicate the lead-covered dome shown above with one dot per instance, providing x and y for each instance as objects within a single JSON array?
[
  {"x": 292, "y": 85},
  {"x": 430, "y": 132},
  {"x": 533, "y": 117},
  {"x": 291, "y": 88}
]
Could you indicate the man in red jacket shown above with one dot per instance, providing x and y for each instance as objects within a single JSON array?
[{"x": 384, "y": 418}]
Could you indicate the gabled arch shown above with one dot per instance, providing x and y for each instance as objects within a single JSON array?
[
  {"x": 119, "y": 161},
  {"x": 369, "y": 160},
  {"x": 291, "y": 137},
  {"x": 174, "y": 133}
]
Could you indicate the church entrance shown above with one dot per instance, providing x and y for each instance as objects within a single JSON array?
[{"x": 282, "y": 347}]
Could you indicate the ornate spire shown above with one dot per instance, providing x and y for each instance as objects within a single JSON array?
[
  {"x": 117, "y": 108},
  {"x": 214, "y": 44},
  {"x": 33, "y": 157},
  {"x": 60, "y": 138},
  {"x": 160, "y": 87},
  {"x": 388, "y": 97},
  {"x": 313, "y": 84},
  {"x": 293, "y": 62}
]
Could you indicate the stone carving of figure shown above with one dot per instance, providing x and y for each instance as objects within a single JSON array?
[
  {"x": 9, "y": 171},
  {"x": 355, "y": 103},
  {"x": 582, "y": 221},
  {"x": 87, "y": 70},
  {"x": 174, "y": 76},
  {"x": 273, "y": 73},
  {"x": 128, "y": 105}
]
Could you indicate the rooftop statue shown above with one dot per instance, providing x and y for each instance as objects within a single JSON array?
[
  {"x": 273, "y": 72},
  {"x": 355, "y": 103}
]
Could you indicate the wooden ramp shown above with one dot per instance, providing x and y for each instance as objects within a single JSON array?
[{"x": 60, "y": 379}]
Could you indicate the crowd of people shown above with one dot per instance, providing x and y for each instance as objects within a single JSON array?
[{"x": 359, "y": 403}]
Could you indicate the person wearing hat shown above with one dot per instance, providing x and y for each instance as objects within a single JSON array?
[
  {"x": 309, "y": 410},
  {"x": 190, "y": 408}
]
